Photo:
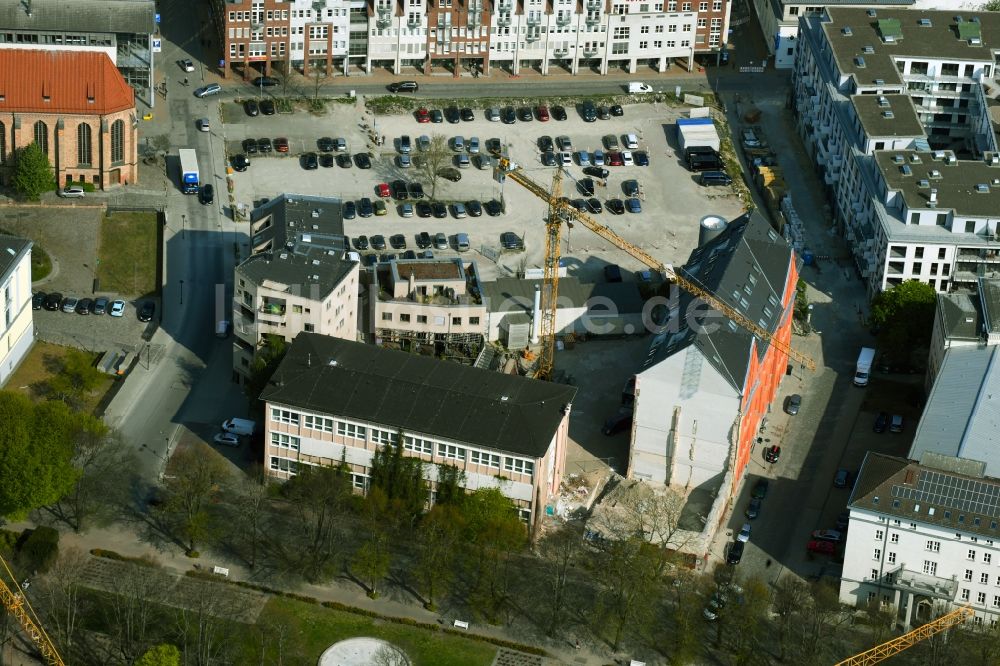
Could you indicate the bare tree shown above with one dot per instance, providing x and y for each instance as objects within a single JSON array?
[
  {"x": 204, "y": 625},
  {"x": 59, "y": 590},
  {"x": 790, "y": 599},
  {"x": 561, "y": 551},
  {"x": 132, "y": 609},
  {"x": 371, "y": 561},
  {"x": 319, "y": 497},
  {"x": 197, "y": 473},
  {"x": 433, "y": 161},
  {"x": 102, "y": 487},
  {"x": 251, "y": 502},
  {"x": 628, "y": 571}
]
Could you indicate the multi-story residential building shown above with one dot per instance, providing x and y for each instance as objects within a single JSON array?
[
  {"x": 891, "y": 105},
  {"x": 428, "y": 301},
  {"x": 332, "y": 400},
  {"x": 469, "y": 36},
  {"x": 964, "y": 319},
  {"x": 299, "y": 277},
  {"x": 18, "y": 332},
  {"x": 78, "y": 110},
  {"x": 123, "y": 29}
]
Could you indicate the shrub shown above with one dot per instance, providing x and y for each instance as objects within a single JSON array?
[
  {"x": 39, "y": 551},
  {"x": 144, "y": 561}
]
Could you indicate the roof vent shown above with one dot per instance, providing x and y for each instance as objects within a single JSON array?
[
  {"x": 884, "y": 101},
  {"x": 993, "y": 159},
  {"x": 332, "y": 362},
  {"x": 906, "y": 170},
  {"x": 932, "y": 202},
  {"x": 951, "y": 159},
  {"x": 923, "y": 182},
  {"x": 880, "y": 82},
  {"x": 915, "y": 159},
  {"x": 934, "y": 173},
  {"x": 996, "y": 182},
  {"x": 868, "y": 50},
  {"x": 982, "y": 188},
  {"x": 924, "y": 23},
  {"x": 939, "y": 154},
  {"x": 889, "y": 39},
  {"x": 315, "y": 262},
  {"x": 897, "y": 159},
  {"x": 859, "y": 62},
  {"x": 315, "y": 213},
  {"x": 307, "y": 238},
  {"x": 872, "y": 13},
  {"x": 846, "y": 31},
  {"x": 975, "y": 41},
  {"x": 283, "y": 255},
  {"x": 888, "y": 114},
  {"x": 504, "y": 398}
]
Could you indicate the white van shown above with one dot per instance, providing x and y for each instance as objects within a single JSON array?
[
  {"x": 222, "y": 329},
  {"x": 244, "y": 427},
  {"x": 638, "y": 87}
]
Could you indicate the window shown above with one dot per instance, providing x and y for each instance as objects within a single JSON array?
[
  {"x": 311, "y": 422},
  {"x": 702, "y": 6},
  {"x": 874, "y": 575},
  {"x": 421, "y": 319},
  {"x": 284, "y": 416},
  {"x": 878, "y": 535},
  {"x": 451, "y": 452},
  {"x": 42, "y": 136},
  {"x": 3, "y": 143},
  {"x": 284, "y": 441},
  {"x": 934, "y": 546},
  {"x": 518, "y": 465},
  {"x": 972, "y": 555},
  {"x": 893, "y": 538},
  {"x": 83, "y": 144},
  {"x": 984, "y": 578},
  {"x": 891, "y": 557},
  {"x": 482, "y": 458},
  {"x": 383, "y": 436},
  {"x": 284, "y": 465},
  {"x": 417, "y": 445},
  {"x": 930, "y": 568},
  {"x": 981, "y": 598},
  {"x": 352, "y": 430},
  {"x": 386, "y": 316},
  {"x": 118, "y": 141},
  {"x": 987, "y": 558},
  {"x": 456, "y": 321},
  {"x": 965, "y": 594},
  {"x": 473, "y": 321},
  {"x": 996, "y": 601},
  {"x": 404, "y": 317},
  {"x": 968, "y": 575},
  {"x": 877, "y": 555}
]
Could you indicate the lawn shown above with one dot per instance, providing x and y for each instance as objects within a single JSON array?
[
  {"x": 40, "y": 364},
  {"x": 313, "y": 628},
  {"x": 127, "y": 255}
]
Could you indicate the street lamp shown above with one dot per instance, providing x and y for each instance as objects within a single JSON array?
[
  {"x": 183, "y": 225},
  {"x": 182, "y": 292}
]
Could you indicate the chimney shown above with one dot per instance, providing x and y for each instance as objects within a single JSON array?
[
  {"x": 536, "y": 316},
  {"x": 933, "y": 200}
]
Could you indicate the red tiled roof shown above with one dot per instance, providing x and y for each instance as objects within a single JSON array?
[{"x": 70, "y": 79}]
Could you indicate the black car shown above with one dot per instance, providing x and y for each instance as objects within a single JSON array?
[
  {"x": 251, "y": 108},
  {"x": 586, "y": 186},
  {"x": 437, "y": 116},
  {"x": 753, "y": 510},
  {"x": 403, "y": 86},
  {"x": 452, "y": 115},
  {"x": 424, "y": 209},
  {"x": 475, "y": 208},
  {"x": 344, "y": 160},
  {"x": 545, "y": 143},
  {"x": 240, "y": 162},
  {"x": 792, "y": 404},
  {"x": 409, "y": 254},
  {"x": 595, "y": 205},
  {"x": 365, "y": 207},
  {"x": 641, "y": 158},
  {"x": 326, "y": 160},
  {"x": 265, "y": 82},
  {"x": 363, "y": 161},
  {"x": 325, "y": 144},
  {"x": 579, "y": 204},
  {"x": 630, "y": 188},
  {"x": 558, "y": 113},
  {"x": 84, "y": 305},
  {"x": 398, "y": 189},
  {"x": 415, "y": 190},
  {"x": 468, "y": 115},
  {"x": 508, "y": 116},
  {"x": 511, "y": 241},
  {"x": 493, "y": 208},
  {"x": 397, "y": 241},
  {"x": 596, "y": 172},
  {"x": 451, "y": 173},
  {"x": 146, "y": 311},
  {"x": 604, "y": 113},
  {"x": 615, "y": 206},
  {"x": 524, "y": 114},
  {"x": 881, "y": 422},
  {"x": 439, "y": 209},
  {"x": 361, "y": 243},
  {"x": 349, "y": 210},
  {"x": 250, "y": 146},
  {"x": 267, "y": 107},
  {"x": 264, "y": 145},
  {"x": 53, "y": 301},
  {"x": 735, "y": 553},
  {"x": 38, "y": 300},
  {"x": 494, "y": 147},
  {"x": 310, "y": 161},
  {"x": 760, "y": 489},
  {"x": 549, "y": 159},
  {"x": 772, "y": 453},
  {"x": 424, "y": 240},
  {"x": 619, "y": 422},
  {"x": 378, "y": 242},
  {"x": 588, "y": 111},
  {"x": 206, "y": 194},
  {"x": 617, "y": 110}
]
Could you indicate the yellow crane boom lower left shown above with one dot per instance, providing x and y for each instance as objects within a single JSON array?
[{"x": 15, "y": 603}]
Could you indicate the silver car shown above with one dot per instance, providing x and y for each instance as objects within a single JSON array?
[
  {"x": 210, "y": 89},
  {"x": 493, "y": 115},
  {"x": 458, "y": 144},
  {"x": 474, "y": 145},
  {"x": 406, "y": 210}
]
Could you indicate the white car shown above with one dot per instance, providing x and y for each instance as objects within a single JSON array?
[
  {"x": 203, "y": 124},
  {"x": 627, "y": 159},
  {"x": 744, "y": 534},
  {"x": 226, "y": 439},
  {"x": 631, "y": 141},
  {"x": 566, "y": 158},
  {"x": 117, "y": 309},
  {"x": 187, "y": 65},
  {"x": 72, "y": 192}
]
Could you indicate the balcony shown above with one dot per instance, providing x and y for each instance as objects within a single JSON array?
[
  {"x": 503, "y": 19},
  {"x": 594, "y": 5},
  {"x": 562, "y": 20},
  {"x": 384, "y": 20},
  {"x": 257, "y": 26},
  {"x": 504, "y": 6},
  {"x": 592, "y": 20},
  {"x": 560, "y": 53},
  {"x": 318, "y": 6},
  {"x": 534, "y": 20},
  {"x": 272, "y": 308},
  {"x": 532, "y": 36},
  {"x": 413, "y": 22},
  {"x": 589, "y": 52}
]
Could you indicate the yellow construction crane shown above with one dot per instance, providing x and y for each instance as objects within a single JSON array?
[
  {"x": 17, "y": 605},
  {"x": 897, "y": 645},
  {"x": 560, "y": 210}
]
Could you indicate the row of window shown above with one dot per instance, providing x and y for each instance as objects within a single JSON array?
[
  {"x": 404, "y": 318},
  {"x": 84, "y": 141}
]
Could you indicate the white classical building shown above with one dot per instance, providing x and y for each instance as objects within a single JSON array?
[{"x": 17, "y": 332}]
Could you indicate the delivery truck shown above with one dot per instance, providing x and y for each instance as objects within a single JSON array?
[
  {"x": 863, "y": 370},
  {"x": 190, "y": 180}
]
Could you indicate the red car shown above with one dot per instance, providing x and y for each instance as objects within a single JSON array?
[
  {"x": 543, "y": 113},
  {"x": 822, "y": 547},
  {"x": 383, "y": 190},
  {"x": 614, "y": 159},
  {"x": 281, "y": 145},
  {"x": 423, "y": 115}
]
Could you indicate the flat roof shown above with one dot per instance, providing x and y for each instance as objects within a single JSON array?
[
  {"x": 429, "y": 269},
  {"x": 76, "y": 16},
  {"x": 887, "y": 115},
  {"x": 956, "y": 181}
]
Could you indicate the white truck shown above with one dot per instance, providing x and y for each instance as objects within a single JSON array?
[
  {"x": 244, "y": 427},
  {"x": 863, "y": 370}
]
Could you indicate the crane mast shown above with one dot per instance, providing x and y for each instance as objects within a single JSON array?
[
  {"x": 897, "y": 645},
  {"x": 18, "y": 606}
]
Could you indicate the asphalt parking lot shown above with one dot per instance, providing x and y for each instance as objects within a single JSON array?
[{"x": 672, "y": 202}]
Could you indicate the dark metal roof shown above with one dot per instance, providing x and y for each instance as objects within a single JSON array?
[
  {"x": 420, "y": 394},
  {"x": 100, "y": 16},
  {"x": 959, "y": 315},
  {"x": 300, "y": 271},
  {"x": 746, "y": 267},
  {"x": 514, "y": 294},
  {"x": 11, "y": 250}
]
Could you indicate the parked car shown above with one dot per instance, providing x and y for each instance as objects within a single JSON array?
[
  {"x": 186, "y": 65},
  {"x": 206, "y": 195},
  {"x": 597, "y": 172},
  {"x": 240, "y": 162},
  {"x": 415, "y": 190},
  {"x": 896, "y": 423},
  {"x": 72, "y": 192},
  {"x": 511, "y": 241},
  {"x": 349, "y": 210},
  {"x": 440, "y": 210},
  {"x": 620, "y": 421},
  {"x": 615, "y": 206},
  {"x": 436, "y": 116},
  {"x": 361, "y": 243},
  {"x": 821, "y": 547},
  {"x": 310, "y": 161},
  {"x": 363, "y": 161},
  {"x": 542, "y": 112},
  {"x": 772, "y": 453},
  {"x": 744, "y": 534},
  {"x": 403, "y": 87},
  {"x": 617, "y": 110},
  {"x": 793, "y": 403},
  {"x": 613, "y": 158},
  {"x": 735, "y": 553},
  {"x": 475, "y": 208},
  {"x": 564, "y": 143},
  {"x": 585, "y": 186},
  {"x": 467, "y": 114},
  {"x": 83, "y": 306},
  {"x": 146, "y": 311},
  {"x": 594, "y": 205},
  {"x": 630, "y": 188},
  {"x": 641, "y": 158},
  {"x": 583, "y": 158},
  {"x": 549, "y": 159},
  {"x": 450, "y": 173},
  {"x": 281, "y": 145},
  {"x": 38, "y": 300},
  {"x": 633, "y": 205},
  {"x": 210, "y": 89},
  {"x": 397, "y": 242},
  {"x": 473, "y": 145},
  {"x": 525, "y": 115},
  {"x": 440, "y": 241},
  {"x": 203, "y": 125},
  {"x": 753, "y": 510},
  {"x": 423, "y": 240},
  {"x": 365, "y": 207},
  {"x": 344, "y": 161},
  {"x": 631, "y": 141},
  {"x": 423, "y": 115},
  {"x": 405, "y": 209},
  {"x": 559, "y": 113},
  {"x": 380, "y": 207},
  {"x": 493, "y": 114},
  {"x": 264, "y": 145},
  {"x": 424, "y": 209},
  {"x": 881, "y": 422},
  {"x": 452, "y": 115},
  {"x": 588, "y": 111},
  {"x": 760, "y": 489},
  {"x": 458, "y": 210},
  {"x": 827, "y": 535},
  {"x": 326, "y": 160},
  {"x": 265, "y": 82},
  {"x": 842, "y": 478},
  {"x": 117, "y": 309},
  {"x": 250, "y": 108},
  {"x": 493, "y": 208},
  {"x": 611, "y": 142},
  {"x": 378, "y": 242},
  {"x": 325, "y": 144},
  {"x": 227, "y": 439},
  {"x": 249, "y": 146},
  {"x": 267, "y": 107}
]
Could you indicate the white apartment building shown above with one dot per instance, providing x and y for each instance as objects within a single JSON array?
[
  {"x": 397, "y": 35},
  {"x": 17, "y": 330},
  {"x": 891, "y": 106},
  {"x": 299, "y": 277}
]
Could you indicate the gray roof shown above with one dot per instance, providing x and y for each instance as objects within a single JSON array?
[
  {"x": 959, "y": 315},
  {"x": 99, "y": 16},
  {"x": 887, "y": 115},
  {"x": 962, "y": 415},
  {"x": 313, "y": 273},
  {"x": 939, "y": 495},
  {"x": 746, "y": 267},
  {"x": 956, "y": 182},
  {"x": 12, "y": 248},
  {"x": 514, "y": 294},
  {"x": 420, "y": 394},
  {"x": 989, "y": 300},
  {"x": 940, "y": 40}
]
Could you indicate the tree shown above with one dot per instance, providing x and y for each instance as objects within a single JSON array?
[
  {"x": 60, "y": 589},
  {"x": 991, "y": 6},
  {"x": 250, "y": 499},
  {"x": 371, "y": 561},
  {"x": 905, "y": 317},
  {"x": 790, "y": 598},
  {"x": 197, "y": 473},
  {"x": 75, "y": 379},
  {"x": 131, "y": 608},
  {"x": 319, "y": 496},
  {"x": 32, "y": 172},
  {"x": 163, "y": 654},
  {"x": 627, "y": 570},
  {"x": 561, "y": 551},
  {"x": 264, "y": 364},
  {"x": 36, "y": 452},
  {"x": 100, "y": 456},
  {"x": 493, "y": 532},
  {"x": 400, "y": 477},
  {"x": 438, "y": 537},
  {"x": 450, "y": 485},
  {"x": 433, "y": 161}
]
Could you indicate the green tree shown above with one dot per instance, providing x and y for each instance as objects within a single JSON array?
[
  {"x": 905, "y": 317},
  {"x": 32, "y": 172},
  {"x": 371, "y": 561},
  {"x": 264, "y": 364},
  {"x": 493, "y": 533},
  {"x": 76, "y": 378},
  {"x": 450, "y": 485},
  {"x": 992, "y": 6},
  {"x": 197, "y": 472},
  {"x": 561, "y": 551},
  {"x": 627, "y": 570},
  {"x": 431, "y": 162},
  {"x": 160, "y": 655},
  {"x": 319, "y": 497},
  {"x": 438, "y": 537},
  {"x": 36, "y": 453},
  {"x": 400, "y": 477},
  {"x": 100, "y": 455}
]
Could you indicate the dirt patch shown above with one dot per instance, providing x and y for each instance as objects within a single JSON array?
[
  {"x": 69, "y": 237},
  {"x": 41, "y": 364}
]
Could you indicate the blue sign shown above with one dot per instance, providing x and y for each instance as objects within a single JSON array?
[{"x": 157, "y": 18}]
